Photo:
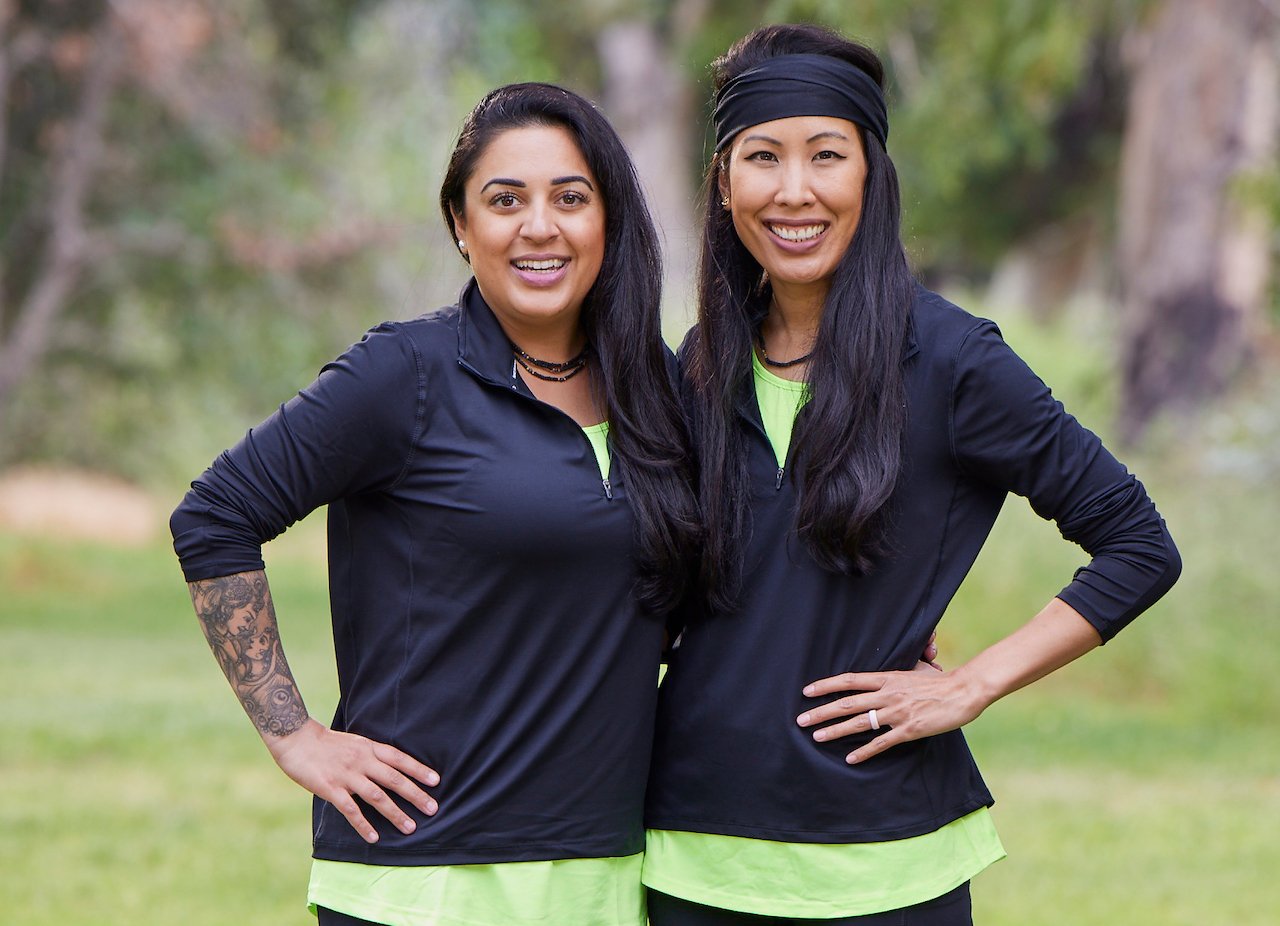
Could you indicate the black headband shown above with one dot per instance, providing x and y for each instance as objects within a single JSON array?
[{"x": 800, "y": 85}]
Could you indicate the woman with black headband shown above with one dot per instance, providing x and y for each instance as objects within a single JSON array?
[{"x": 856, "y": 436}]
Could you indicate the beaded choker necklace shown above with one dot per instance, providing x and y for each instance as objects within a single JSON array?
[
  {"x": 569, "y": 368},
  {"x": 781, "y": 364}
]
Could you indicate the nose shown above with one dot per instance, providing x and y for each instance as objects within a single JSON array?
[
  {"x": 794, "y": 189},
  {"x": 539, "y": 223}
]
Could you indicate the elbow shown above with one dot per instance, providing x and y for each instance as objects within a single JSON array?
[{"x": 1172, "y": 563}]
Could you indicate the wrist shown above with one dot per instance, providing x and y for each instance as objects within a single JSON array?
[
  {"x": 279, "y": 742},
  {"x": 977, "y": 691}
]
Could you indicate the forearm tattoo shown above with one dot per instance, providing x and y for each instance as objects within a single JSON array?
[{"x": 239, "y": 621}]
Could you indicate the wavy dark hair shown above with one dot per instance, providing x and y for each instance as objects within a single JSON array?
[
  {"x": 848, "y": 439},
  {"x": 622, "y": 323}
]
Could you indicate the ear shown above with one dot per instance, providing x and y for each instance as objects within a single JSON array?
[
  {"x": 722, "y": 181},
  {"x": 459, "y": 223}
]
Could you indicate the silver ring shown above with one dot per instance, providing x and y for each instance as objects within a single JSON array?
[{"x": 875, "y": 721}]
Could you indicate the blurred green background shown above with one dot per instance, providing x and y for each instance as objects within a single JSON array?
[{"x": 201, "y": 202}]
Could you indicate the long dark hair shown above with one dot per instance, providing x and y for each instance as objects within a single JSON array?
[
  {"x": 848, "y": 440},
  {"x": 621, "y": 321}
]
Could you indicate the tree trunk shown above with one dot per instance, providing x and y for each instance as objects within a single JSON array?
[
  {"x": 1202, "y": 115},
  {"x": 649, "y": 102}
]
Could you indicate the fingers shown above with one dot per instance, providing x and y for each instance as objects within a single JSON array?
[
  {"x": 345, "y": 804},
  {"x": 846, "y": 681},
  {"x": 406, "y": 764},
  {"x": 389, "y": 777},
  {"x": 859, "y": 724},
  {"x": 387, "y": 769},
  {"x": 876, "y": 746},
  {"x": 841, "y": 707},
  {"x": 341, "y": 767},
  {"x": 373, "y": 794}
]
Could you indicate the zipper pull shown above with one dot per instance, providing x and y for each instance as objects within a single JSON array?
[
  {"x": 777, "y": 484},
  {"x": 608, "y": 490}
]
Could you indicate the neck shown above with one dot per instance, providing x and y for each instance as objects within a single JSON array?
[
  {"x": 795, "y": 312},
  {"x": 555, "y": 340}
]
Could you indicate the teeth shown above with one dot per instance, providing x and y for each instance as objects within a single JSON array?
[
  {"x": 554, "y": 263},
  {"x": 792, "y": 233}
]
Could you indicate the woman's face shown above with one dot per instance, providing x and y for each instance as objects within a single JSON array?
[
  {"x": 795, "y": 186},
  {"x": 241, "y": 621},
  {"x": 534, "y": 226}
]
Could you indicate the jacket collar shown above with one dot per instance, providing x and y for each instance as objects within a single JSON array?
[{"x": 483, "y": 347}]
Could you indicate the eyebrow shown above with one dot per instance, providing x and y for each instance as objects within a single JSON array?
[
  {"x": 503, "y": 181},
  {"x": 555, "y": 181},
  {"x": 831, "y": 133},
  {"x": 573, "y": 178}
]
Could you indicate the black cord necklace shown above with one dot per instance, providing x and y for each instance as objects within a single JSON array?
[
  {"x": 533, "y": 366},
  {"x": 781, "y": 364}
]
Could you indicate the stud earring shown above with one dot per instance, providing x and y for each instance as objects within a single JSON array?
[
  {"x": 724, "y": 201},
  {"x": 462, "y": 246}
]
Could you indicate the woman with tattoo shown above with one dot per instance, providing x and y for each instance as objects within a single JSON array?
[{"x": 510, "y": 517}]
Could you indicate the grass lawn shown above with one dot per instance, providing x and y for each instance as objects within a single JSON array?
[
  {"x": 1138, "y": 786},
  {"x": 134, "y": 791}
]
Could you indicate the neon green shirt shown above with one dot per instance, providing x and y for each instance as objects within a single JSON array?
[
  {"x": 815, "y": 880},
  {"x": 598, "y": 434},
  {"x": 604, "y": 891},
  {"x": 779, "y": 399},
  {"x": 563, "y": 892}
]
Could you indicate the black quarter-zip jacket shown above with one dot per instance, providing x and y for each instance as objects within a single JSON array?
[
  {"x": 481, "y": 574},
  {"x": 729, "y": 757}
]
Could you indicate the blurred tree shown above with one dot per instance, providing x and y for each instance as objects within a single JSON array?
[
  {"x": 58, "y": 71},
  {"x": 155, "y": 177},
  {"x": 1115, "y": 144},
  {"x": 1006, "y": 116},
  {"x": 171, "y": 168},
  {"x": 1204, "y": 112}
]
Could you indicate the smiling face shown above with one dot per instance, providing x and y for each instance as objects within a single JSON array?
[
  {"x": 795, "y": 187},
  {"x": 534, "y": 227}
]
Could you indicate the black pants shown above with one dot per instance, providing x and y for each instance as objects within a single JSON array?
[
  {"x": 953, "y": 908},
  {"x": 329, "y": 917}
]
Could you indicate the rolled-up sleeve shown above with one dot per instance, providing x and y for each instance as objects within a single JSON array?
[
  {"x": 352, "y": 430},
  {"x": 1008, "y": 430}
]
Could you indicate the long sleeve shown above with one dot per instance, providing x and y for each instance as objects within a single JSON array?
[
  {"x": 351, "y": 430},
  {"x": 1008, "y": 430}
]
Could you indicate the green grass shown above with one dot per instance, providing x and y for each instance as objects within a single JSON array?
[
  {"x": 133, "y": 789},
  {"x": 1139, "y": 786}
]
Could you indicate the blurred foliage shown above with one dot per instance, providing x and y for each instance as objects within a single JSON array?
[
  {"x": 273, "y": 194},
  {"x": 1006, "y": 115}
]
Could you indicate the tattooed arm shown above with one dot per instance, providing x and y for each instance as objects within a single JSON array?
[{"x": 239, "y": 621}]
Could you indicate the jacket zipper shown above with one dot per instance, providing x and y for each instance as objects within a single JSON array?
[{"x": 515, "y": 387}]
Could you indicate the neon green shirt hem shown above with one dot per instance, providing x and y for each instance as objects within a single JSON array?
[
  {"x": 819, "y": 880},
  {"x": 561, "y": 892}
]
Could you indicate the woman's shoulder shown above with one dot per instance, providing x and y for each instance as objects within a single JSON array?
[
  {"x": 937, "y": 321},
  {"x": 431, "y": 334}
]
